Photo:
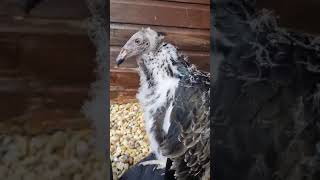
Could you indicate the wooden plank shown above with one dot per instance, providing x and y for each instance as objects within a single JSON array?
[
  {"x": 13, "y": 95},
  {"x": 9, "y": 73},
  {"x": 120, "y": 95},
  {"x": 14, "y": 85},
  {"x": 124, "y": 83},
  {"x": 70, "y": 96},
  {"x": 8, "y": 52},
  {"x": 125, "y": 78},
  {"x": 160, "y": 13},
  {"x": 200, "y": 59},
  {"x": 193, "y": 1},
  {"x": 40, "y": 109},
  {"x": 71, "y": 9},
  {"x": 301, "y": 15},
  {"x": 12, "y": 104},
  {"x": 185, "y": 39},
  {"x": 66, "y": 97},
  {"x": 10, "y": 8},
  {"x": 42, "y": 26},
  {"x": 57, "y": 59}
]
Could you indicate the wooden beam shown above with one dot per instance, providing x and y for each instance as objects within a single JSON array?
[
  {"x": 124, "y": 78},
  {"x": 8, "y": 51},
  {"x": 185, "y": 39},
  {"x": 43, "y": 26},
  {"x": 62, "y": 9},
  {"x": 57, "y": 59},
  {"x": 12, "y": 104},
  {"x": 14, "y": 85},
  {"x": 120, "y": 95},
  {"x": 295, "y": 14},
  {"x": 27, "y": 103},
  {"x": 192, "y": 1},
  {"x": 160, "y": 13},
  {"x": 10, "y": 8}
]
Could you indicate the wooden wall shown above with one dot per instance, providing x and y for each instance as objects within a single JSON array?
[
  {"x": 46, "y": 66},
  {"x": 295, "y": 14},
  {"x": 186, "y": 23}
]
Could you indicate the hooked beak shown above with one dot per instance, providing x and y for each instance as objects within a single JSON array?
[{"x": 121, "y": 57}]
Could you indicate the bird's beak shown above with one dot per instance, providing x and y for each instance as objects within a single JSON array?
[{"x": 121, "y": 57}]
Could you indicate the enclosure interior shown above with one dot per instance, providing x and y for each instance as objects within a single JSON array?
[{"x": 186, "y": 24}]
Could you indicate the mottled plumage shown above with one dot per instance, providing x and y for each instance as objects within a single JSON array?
[{"x": 174, "y": 96}]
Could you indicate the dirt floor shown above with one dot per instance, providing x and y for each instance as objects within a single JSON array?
[
  {"x": 128, "y": 139},
  {"x": 62, "y": 155}
]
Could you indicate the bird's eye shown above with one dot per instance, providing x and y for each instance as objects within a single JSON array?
[
  {"x": 147, "y": 44},
  {"x": 137, "y": 41}
]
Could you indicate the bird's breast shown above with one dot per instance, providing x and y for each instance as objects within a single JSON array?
[{"x": 155, "y": 100}]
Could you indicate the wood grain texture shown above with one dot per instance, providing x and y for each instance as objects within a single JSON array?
[
  {"x": 124, "y": 83},
  {"x": 68, "y": 97},
  {"x": 32, "y": 107},
  {"x": 70, "y": 9},
  {"x": 28, "y": 108},
  {"x": 10, "y": 8},
  {"x": 12, "y": 105},
  {"x": 57, "y": 59},
  {"x": 46, "y": 66},
  {"x": 193, "y": 1},
  {"x": 13, "y": 94},
  {"x": 44, "y": 75},
  {"x": 160, "y": 13},
  {"x": 124, "y": 78},
  {"x": 8, "y": 51},
  {"x": 184, "y": 39},
  {"x": 301, "y": 16},
  {"x": 120, "y": 95},
  {"x": 43, "y": 26}
]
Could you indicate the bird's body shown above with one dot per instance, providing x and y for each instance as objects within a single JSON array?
[
  {"x": 174, "y": 96},
  {"x": 156, "y": 94}
]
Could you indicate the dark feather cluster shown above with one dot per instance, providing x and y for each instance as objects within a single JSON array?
[
  {"x": 187, "y": 143},
  {"x": 265, "y": 109}
]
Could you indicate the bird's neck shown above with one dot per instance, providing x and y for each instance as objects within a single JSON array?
[{"x": 153, "y": 72}]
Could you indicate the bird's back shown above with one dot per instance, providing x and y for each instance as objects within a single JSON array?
[{"x": 187, "y": 143}]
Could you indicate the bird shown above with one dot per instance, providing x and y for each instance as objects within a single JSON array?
[
  {"x": 175, "y": 99},
  {"x": 265, "y": 103}
]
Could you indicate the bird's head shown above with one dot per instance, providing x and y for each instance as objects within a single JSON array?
[{"x": 143, "y": 41}]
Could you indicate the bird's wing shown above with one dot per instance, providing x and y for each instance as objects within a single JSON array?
[{"x": 187, "y": 143}]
